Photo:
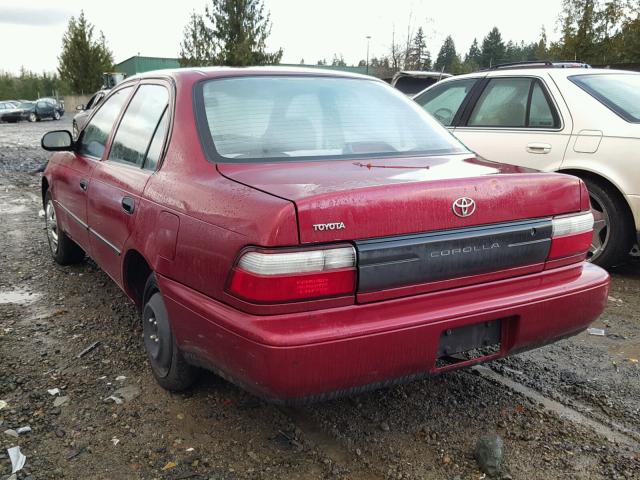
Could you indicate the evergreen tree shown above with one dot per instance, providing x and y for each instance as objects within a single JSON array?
[
  {"x": 448, "y": 59},
  {"x": 197, "y": 47},
  {"x": 232, "y": 32},
  {"x": 493, "y": 49},
  {"x": 84, "y": 58},
  {"x": 541, "y": 47},
  {"x": 630, "y": 32},
  {"x": 475, "y": 54},
  {"x": 473, "y": 58},
  {"x": 419, "y": 55}
]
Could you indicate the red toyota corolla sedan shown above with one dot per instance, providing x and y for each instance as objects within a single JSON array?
[{"x": 307, "y": 234}]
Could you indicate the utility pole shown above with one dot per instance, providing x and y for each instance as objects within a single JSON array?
[{"x": 368, "y": 39}]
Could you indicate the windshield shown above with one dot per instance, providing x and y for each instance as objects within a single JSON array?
[
  {"x": 618, "y": 91},
  {"x": 26, "y": 105},
  {"x": 254, "y": 118}
]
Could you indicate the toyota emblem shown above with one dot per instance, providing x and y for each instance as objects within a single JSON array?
[{"x": 464, "y": 207}]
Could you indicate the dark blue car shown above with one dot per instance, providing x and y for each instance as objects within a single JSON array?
[{"x": 33, "y": 111}]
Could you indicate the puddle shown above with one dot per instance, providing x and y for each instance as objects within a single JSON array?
[{"x": 21, "y": 297}]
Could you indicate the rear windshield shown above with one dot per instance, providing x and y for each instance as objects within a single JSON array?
[
  {"x": 618, "y": 91},
  {"x": 412, "y": 85},
  {"x": 289, "y": 117}
]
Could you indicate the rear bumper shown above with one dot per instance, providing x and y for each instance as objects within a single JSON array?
[{"x": 319, "y": 354}]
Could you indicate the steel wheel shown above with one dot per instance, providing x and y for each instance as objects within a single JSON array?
[
  {"x": 56, "y": 115},
  {"x": 32, "y": 117},
  {"x": 601, "y": 230},
  {"x": 168, "y": 366},
  {"x": 51, "y": 222},
  {"x": 157, "y": 335}
]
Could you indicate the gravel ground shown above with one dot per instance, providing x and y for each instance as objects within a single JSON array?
[{"x": 567, "y": 411}]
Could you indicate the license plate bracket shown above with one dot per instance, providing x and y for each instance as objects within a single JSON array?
[{"x": 470, "y": 338}]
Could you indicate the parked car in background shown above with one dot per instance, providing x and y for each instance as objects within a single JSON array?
[
  {"x": 6, "y": 106},
  {"x": 412, "y": 82},
  {"x": 32, "y": 111},
  {"x": 84, "y": 111},
  {"x": 552, "y": 117},
  {"x": 59, "y": 104},
  {"x": 274, "y": 227}
]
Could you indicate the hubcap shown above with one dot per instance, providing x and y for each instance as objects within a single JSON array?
[
  {"x": 601, "y": 229},
  {"x": 52, "y": 227},
  {"x": 157, "y": 335}
]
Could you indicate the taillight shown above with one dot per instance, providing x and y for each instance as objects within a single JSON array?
[
  {"x": 274, "y": 276},
  {"x": 571, "y": 235}
]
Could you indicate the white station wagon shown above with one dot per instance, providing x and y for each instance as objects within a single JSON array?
[{"x": 581, "y": 121}]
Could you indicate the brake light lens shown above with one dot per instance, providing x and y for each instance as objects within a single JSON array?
[
  {"x": 272, "y": 276},
  {"x": 571, "y": 235}
]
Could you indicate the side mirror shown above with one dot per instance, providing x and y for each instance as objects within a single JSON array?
[
  {"x": 57, "y": 141},
  {"x": 79, "y": 108}
]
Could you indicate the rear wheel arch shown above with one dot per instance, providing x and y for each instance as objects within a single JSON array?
[
  {"x": 604, "y": 182},
  {"x": 136, "y": 272},
  {"x": 612, "y": 244}
]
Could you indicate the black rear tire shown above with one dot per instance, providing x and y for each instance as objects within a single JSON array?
[
  {"x": 63, "y": 250},
  {"x": 617, "y": 238},
  {"x": 170, "y": 369}
]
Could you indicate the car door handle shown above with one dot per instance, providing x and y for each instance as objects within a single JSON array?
[
  {"x": 128, "y": 205},
  {"x": 538, "y": 148},
  {"x": 84, "y": 185}
]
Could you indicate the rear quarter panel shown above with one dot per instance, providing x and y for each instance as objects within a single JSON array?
[{"x": 217, "y": 217}]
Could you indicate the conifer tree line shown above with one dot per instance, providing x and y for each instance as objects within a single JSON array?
[
  {"x": 235, "y": 33},
  {"x": 598, "y": 32}
]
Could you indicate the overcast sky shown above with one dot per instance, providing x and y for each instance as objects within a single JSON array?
[{"x": 31, "y": 30}]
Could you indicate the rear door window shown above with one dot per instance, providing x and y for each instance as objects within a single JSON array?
[
  {"x": 540, "y": 111},
  {"x": 155, "y": 149},
  {"x": 514, "y": 103},
  {"x": 444, "y": 100},
  {"x": 94, "y": 137},
  {"x": 138, "y": 125},
  {"x": 503, "y": 103}
]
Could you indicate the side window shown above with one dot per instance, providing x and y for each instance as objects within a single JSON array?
[
  {"x": 94, "y": 137},
  {"x": 138, "y": 125},
  {"x": 541, "y": 114},
  {"x": 155, "y": 149},
  {"x": 444, "y": 100},
  {"x": 92, "y": 102},
  {"x": 503, "y": 103},
  {"x": 99, "y": 98}
]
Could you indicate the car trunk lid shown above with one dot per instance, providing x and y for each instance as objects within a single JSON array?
[
  {"x": 381, "y": 198},
  {"x": 400, "y": 214}
]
